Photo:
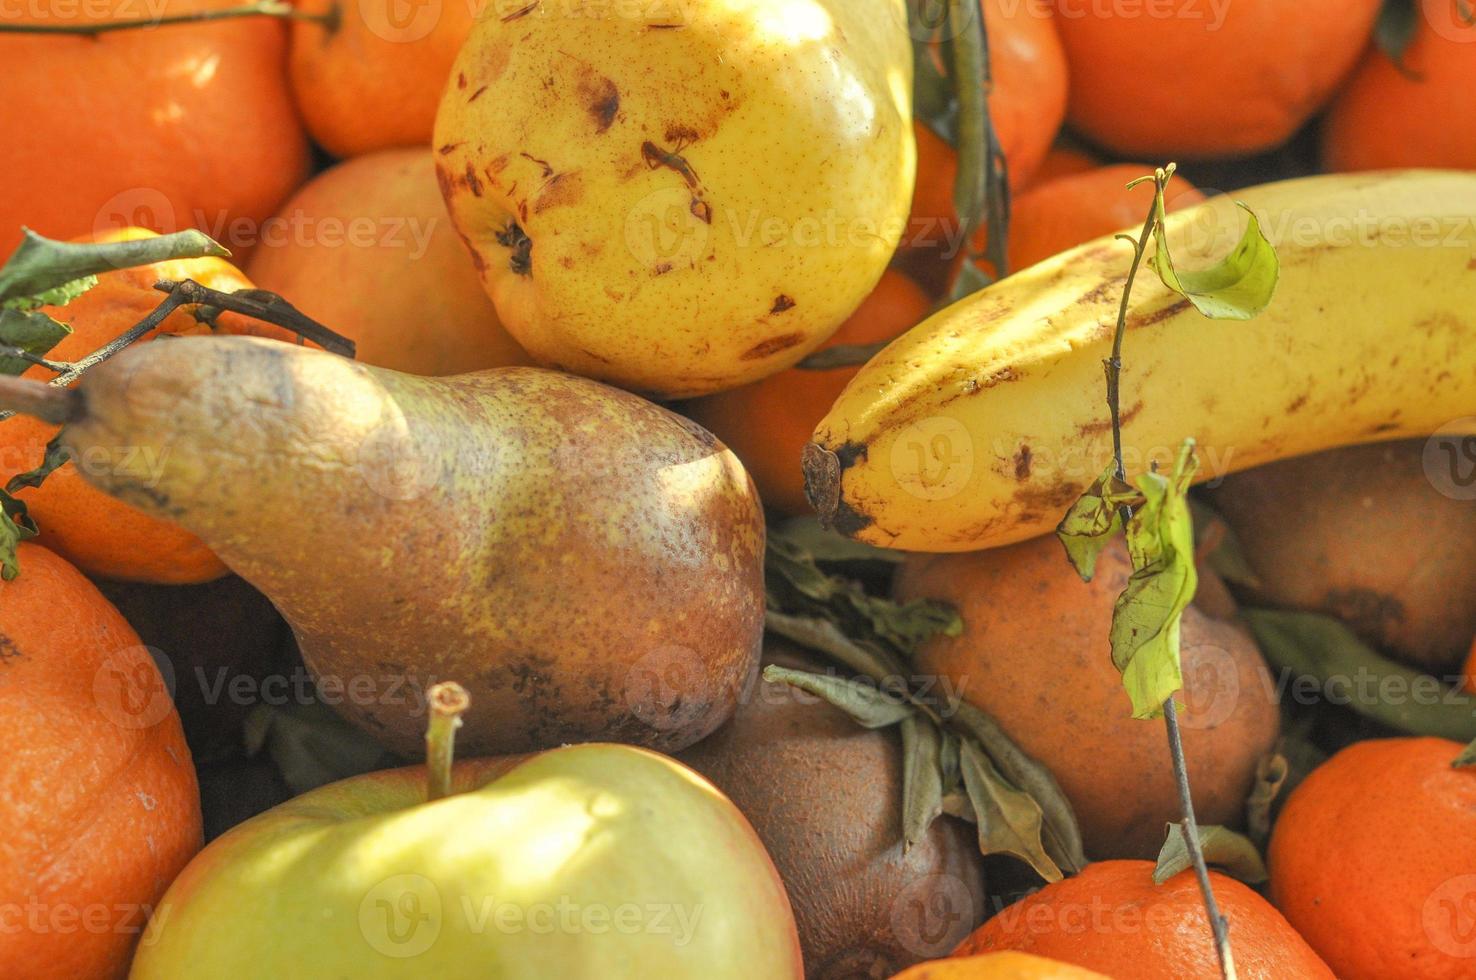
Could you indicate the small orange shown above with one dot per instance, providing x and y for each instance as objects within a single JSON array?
[
  {"x": 1113, "y": 918},
  {"x": 1056, "y": 215},
  {"x": 768, "y": 423},
  {"x": 998, "y": 966},
  {"x": 98, "y": 802},
  {"x": 1027, "y": 104},
  {"x": 1195, "y": 79},
  {"x": 170, "y": 127},
  {"x": 98, "y": 533},
  {"x": 374, "y": 78},
  {"x": 1373, "y": 859},
  {"x": 1385, "y": 118},
  {"x": 366, "y": 248}
]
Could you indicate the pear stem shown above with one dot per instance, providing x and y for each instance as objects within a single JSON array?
[
  {"x": 262, "y": 8},
  {"x": 447, "y": 701},
  {"x": 262, "y": 305}
]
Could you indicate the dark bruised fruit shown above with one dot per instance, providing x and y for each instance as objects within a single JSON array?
[
  {"x": 1379, "y": 536},
  {"x": 825, "y": 796},
  {"x": 1034, "y": 653},
  {"x": 587, "y": 564}
]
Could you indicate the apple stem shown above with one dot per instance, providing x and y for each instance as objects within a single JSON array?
[{"x": 447, "y": 701}]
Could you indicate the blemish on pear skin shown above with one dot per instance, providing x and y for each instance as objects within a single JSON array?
[
  {"x": 476, "y": 95},
  {"x": 603, "y": 101},
  {"x": 544, "y": 164},
  {"x": 767, "y": 348},
  {"x": 781, "y": 303},
  {"x": 449, "y": 148},
  {"x": 513, "y": 237},
  {"x": 1022, "y": 463},
  {"x": 461, "y": 79},
  {"x": 473, "y": 182}
]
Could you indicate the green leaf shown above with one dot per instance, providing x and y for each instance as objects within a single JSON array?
[
  {"x": 1466, "y": 758},
  {"x": 1145, "y": 620},
  {"x": 312, "y": 745},
  {"x": 829, "y": 547},
  {"x": 34, "y": 332},
  {"x": 1271, "y": 774},
  {"x": 1323, "y": 650},
  {"x": 968, "y": 280},
  {"x": 796, "y": 585},
  {"x": 1399, "y": 21},
  {"x": 1094, "y": 520},
  {"x": 57, "y": 296},
  {"x": 16, "y": 525},
  {"x": 866, "y": 703},
  {"x": 42, "y": 267},
  {"x": 922, "y": 777},
  {"x": 56, "y": 454},
  {"x": 1225, "y": 849},
  {"x": 1237, "y": 287},
  {"x": 1009, "y": 821}
]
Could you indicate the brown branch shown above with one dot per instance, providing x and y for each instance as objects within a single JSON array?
[{"x": 262, "y": 305}]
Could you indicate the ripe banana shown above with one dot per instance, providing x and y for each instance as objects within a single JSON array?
[{"x": 980, "y": 426}]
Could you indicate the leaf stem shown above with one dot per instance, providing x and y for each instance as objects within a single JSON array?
[
  {"x": 981, "y": 188},
  {"x": 262, "y": 8},
  {"x": 1219, "y": 927},
  {"x": 447, "y": 700},
  {"x": 261, "y": 305}
]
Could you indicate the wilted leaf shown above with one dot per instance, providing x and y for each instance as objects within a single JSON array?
[
  {"x": 55, "y": 455},
  {"x": 922, "y": 776},
  {"x": 34, "y": 332},
  {"x": 1225, "y": 849},
  {"x": 42, "y": 269},
  {"x": 866, "y": 703},
  {"x": 312, "y": 745},
  {"x": 829, "y": 547},
  {"x": 1009, "y": 820},
  {"x": 1094, "y": 519},
  {"x": 1220, "y": 546},
  {"x": 1271, "y": 773},
  {"x": 1320, "y": 647},
  {"x": 1237, "y": 287},
  {"x": 1145, "y": 619},
  {"x": 16, "y": 525},
  {"x": 823, "y": 636},
  {"x": 1062, "y": 835},
  {"x": 796, "y": 585},
  {"x": 1466, "y": 758}
]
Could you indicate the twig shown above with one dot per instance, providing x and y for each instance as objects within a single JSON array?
[
  {"x": 447, "y": 701},
  {"x": 262, "y": 305},
  {"x": 1189, "y": 827},
  {"x": 262, "y": 8}
]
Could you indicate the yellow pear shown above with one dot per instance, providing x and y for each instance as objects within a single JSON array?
[{"x": 682, "y": 196}]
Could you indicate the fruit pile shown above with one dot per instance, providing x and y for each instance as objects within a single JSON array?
[{"x": 563, "y": 489}]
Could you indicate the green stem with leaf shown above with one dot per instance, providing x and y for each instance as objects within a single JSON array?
[{"x": 1189, "y": 827}]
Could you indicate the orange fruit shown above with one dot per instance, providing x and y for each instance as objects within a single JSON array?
[
  {"x": 1373, "y": 859},
  {"x": 1056, "y": 215},
  {"x": 367, "y": 249},
  {"x": 97, "y": 795},
  {"x": 98, "y": 533},
  {"x": 1062, "y": 161},
  {"x": 374, "y": 79},
  {"x": 1192, "y": 78},
  {"x": 768, "y": 423},
  {"x": 168, "y": 128},
  {"x": 998, "y": 966},
  {"x": 1026, "y": 104},
  {"x": 1112, "y": 918},
  {"x": 1384, "y": 118}
]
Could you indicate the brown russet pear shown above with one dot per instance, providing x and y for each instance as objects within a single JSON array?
[{"x": 585, "y": 563}]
